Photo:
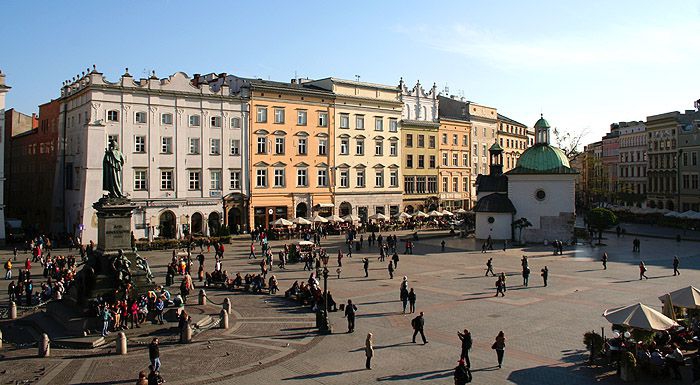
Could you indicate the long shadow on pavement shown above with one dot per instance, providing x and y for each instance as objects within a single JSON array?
[
  {"x": 431, "y": 375},
  {"x": 322, "y": 374}
]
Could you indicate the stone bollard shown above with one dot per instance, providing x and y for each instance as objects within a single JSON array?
[
  {"x": 223, "y": 323},
  {"x": 13, "y": 310},
  {"x": 0, "y": 338},
  {"x": 227, "y": 305},
  {"x": 44, "y": 346},
  {"x": 202, "y": 297},
  {"x": 121, "y": 343},
  {"x": 186, "y": 334}
]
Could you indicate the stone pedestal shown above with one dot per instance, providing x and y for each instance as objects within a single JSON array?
[{"x": 113, "y": 224}]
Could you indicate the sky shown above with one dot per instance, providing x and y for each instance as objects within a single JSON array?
[{"x": 584, "y": 65}]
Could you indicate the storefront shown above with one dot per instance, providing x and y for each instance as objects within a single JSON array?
[{"x": 265, "y": 215}]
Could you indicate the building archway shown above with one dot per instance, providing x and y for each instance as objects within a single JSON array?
[
  {"x": 214, "y": 223},
  {"x": 196, "y": 223},
  {"x": 345, "y": 208},
  {"x": 302, "y": 210},
  {"x": 167, "y": 225},
  {"x": 670, "y": 205},
  {"x": 235, "y": 220},
  {"x": 660, "y": 205}
]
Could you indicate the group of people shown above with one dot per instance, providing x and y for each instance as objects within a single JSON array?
[{"x": 58, "y": 272}]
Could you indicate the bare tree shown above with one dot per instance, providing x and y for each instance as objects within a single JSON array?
[{"x": 568, "y": 142}]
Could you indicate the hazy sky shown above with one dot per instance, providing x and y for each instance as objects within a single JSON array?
[{"x": 583, "y": 64}]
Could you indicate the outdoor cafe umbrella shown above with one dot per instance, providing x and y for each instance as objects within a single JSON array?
[
  {"x": 639, "y": 316},
  {"x": 420, "y": 214},
  {"x": 687, "y": 297},
  {"x": 403, "y": 216},
  {"x": 461, "y": 211},
  {"x": 435, "y": 214},
  {"x": 378, "y": 217},
  {"x": 301, "y": 221},
  {"x": 319, "y": 219},
  {"x": 335, "y": 218},
  {"x": 445, "y": 212},
  {"x": 351, "y": 218},
  {"x": 282, "y": 222}
]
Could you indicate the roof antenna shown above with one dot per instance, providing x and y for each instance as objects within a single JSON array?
[{"x": 357, "y": 78}]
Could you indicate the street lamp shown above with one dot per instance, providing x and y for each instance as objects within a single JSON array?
[{"x": 324, "y": 326}]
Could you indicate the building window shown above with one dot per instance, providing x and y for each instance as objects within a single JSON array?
[
  {"x": 215, "y": 180},
  {"x": 421, "y": 161},
  {"x": 113, "y": 116},
  {"x": 302, "y": 177},
  {"x": 279, "y": 115},
  {"x": 455, "y": 184},
  {"x": 445, "y": 184},
  {"x": 166, "y": 145},
  {"x": 139, "y": 179},
  {"x": 421, "y": 141},
  {"x": 360, "y": 178},
  {"x": 694, "y": 158},
  {"x": 379, "y": 178},
  {"x": 409, "y": 140},
  {"x": 409, "y": 161},
  {"x": 215, "y": 121},
  {"x": 409, "y": 185},
  {"x": 166, "y": 119},
  {"x": 301, "y": 146},
  {"x": 465, "y": 159},
  {"x": 344, "y": 146},
  {"x": 444, "y": 138},
  {"x": 455, "y": 160},
  {"x": 344, "y": 120},
  {"x": 454, "y": 140},
  {"x": 432, "y": 185},
  {"x": 279, "y": 177},
  {"x": 394, "y": 178},
  {"x": 431, "y": 161},
  {"x": 279, "y": 146},
  {"x": 465, "y": 141},
  {"x": 261, "y": 177},
  {"x": 140, "y": 144},
  {"x": 166, "y": 179},
  {"x": 378, "y": 124},
  {"x": 194, "y": 120},
  {"x": 360, "y": 147},
  {"x": 235, "y": 147},
  {"x": 140, "y": 117},
  {"x": 301, "y": 117},
  {"x": 235, "y": 180},
  {"x": 262, "y": 145},
  {"x": 323, "y": 119},
  {"x": 322, "y": 177},
  {"x": 261, "y": 115},
  {"x": 393, "y": 148},
  {"x": 540, "y": 195},
  {"x": 686, "y": 181},
  {"x": 360, "y": 122},
  {"x": 694, "y": 182},
  {"x": 215, "y": 146},
  {"x": 235, "y": 122},
  {"x": 322, "y": 146},
  {"x": 378, "y": 147},
  {"x": 444, "y": 159},
  {"x": 483, "y": 150},
  {"x": 431, "y": 141},
  {"x": 420, "y": 185},
  {"x": 195, "y": 180},
  {"x": 393, "y": 125},
  {"x": 194, "y": 146},
  {"x": 344, "y": 178}
]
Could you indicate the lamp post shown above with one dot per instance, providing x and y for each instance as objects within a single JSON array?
[{"x": 324, "y": 326}]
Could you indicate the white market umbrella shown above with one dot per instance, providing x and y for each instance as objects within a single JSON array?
[
  {"x": 420, "y": 214},
  {"x": 282, "y": 222},
  {"x": 351, "y": 218},
  {"x": 461, "y": 211},
  {"x": 447, "y": 213},
  {"x": 378, "y": 217},
  {"x": 672, "y": 214},
  {"x": 404, "y": 215},
  {"x": 301, "y": 221},
  {"x": 306, "y": 243},
  {"x": 687, "y": 297},
  {"x": 690, "y": 214},
  {"x": 319, "y": 219},
  {"x": 435, "y": 214},
  {"x": 639, "y": 316},
  {"x": 335, "y": 218}
]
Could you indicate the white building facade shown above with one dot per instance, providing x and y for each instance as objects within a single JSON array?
[{"x": 183, "y": 146}]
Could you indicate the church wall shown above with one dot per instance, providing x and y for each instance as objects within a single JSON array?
[{"x": 498, "y": 230}]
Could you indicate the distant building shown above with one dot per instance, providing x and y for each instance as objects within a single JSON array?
[
  {"x": 456, "y": 156},
  {"x": 610, "y": 159},
  {"x": 513, "y": 138},
  {"x": 689, "y": 167},
  {"x": 632, "y": 163},
  {"x": 4, "y": 89},
  {"x": 662, "y": 163}
]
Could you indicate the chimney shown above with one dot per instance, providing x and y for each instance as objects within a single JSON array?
[
  {"x": 453, "y": 96},
  {"x": 294, "y": 81}
]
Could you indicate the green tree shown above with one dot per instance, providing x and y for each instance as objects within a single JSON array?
[
  {"x": 600, "y": 219},
  {"x": 520, "y": 224}
]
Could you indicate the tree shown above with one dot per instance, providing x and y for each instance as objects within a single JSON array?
[
  {"x": 569, "y": 143},
  {"x": 520, "y": 224},
  {"x": 600, "y": 219}
]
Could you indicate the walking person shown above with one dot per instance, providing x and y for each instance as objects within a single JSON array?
[
  {"x": 412, "y": 301},
  {"x": 499, "y": 346},
  {"x": 466, "y": 338},
  {"x": 350, "y": 310},
  {"x": 442, "y": 246},
  {"x": 605, "y": 261},
  {"x": 154, "y": 354},
  {"x": 252, "y": 251},
  {"x": 404, "y": 299},
  {"x": 369, "y": 351},
  {"x": 545, "y": 275},
  {"x": 395, "y": 258},
  {"x": 8, "y": 269},
  {"x": 526, "y": 275},
  {"x": 462, "y": 375},
  {"x": 500, "y": 287},
  {"x": 676, "y": 262},
  {"x": 503, "y": 281},
  {"x": 489, "y": 268},
  {"x": 642, "y": 270},
  {"x": 391, "y": 270},
  {"x": 418, "y": 324},
  {"x": 365, "y": 266}
]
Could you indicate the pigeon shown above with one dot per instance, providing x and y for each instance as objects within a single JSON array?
[{"x": 227, "y": 354}]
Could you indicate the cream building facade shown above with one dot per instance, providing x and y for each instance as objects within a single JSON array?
[
  {"x": 513, "y": 139},
  {"x": 367, "y": 147},
  {"x": 184, "y": 148}
]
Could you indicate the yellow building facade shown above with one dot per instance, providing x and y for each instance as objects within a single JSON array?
[
  {"x": 454, "y": 145},
  {"x": 512, "y": 136}
]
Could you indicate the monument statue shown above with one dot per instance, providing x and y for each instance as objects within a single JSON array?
[
  {"x": 121, "y": 269},
  {"x": 112, "y": 164}
]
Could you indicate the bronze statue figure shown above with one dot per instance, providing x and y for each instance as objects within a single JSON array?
[{"x": 112, "y": 165}]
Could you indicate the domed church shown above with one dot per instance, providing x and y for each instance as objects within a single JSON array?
[{"x": 540, "y": 189}]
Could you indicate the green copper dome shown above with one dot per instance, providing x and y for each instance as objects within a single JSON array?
[
  {"x": 543, "y": 159},
  {"x": 542, "y": 123}
]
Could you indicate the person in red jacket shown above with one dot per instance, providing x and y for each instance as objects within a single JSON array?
[{"x": 27, "y": 264}]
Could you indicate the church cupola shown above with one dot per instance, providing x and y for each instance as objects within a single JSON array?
[
  {"x": 496, "y": 155},
  {"x": 541, "y": 131}
]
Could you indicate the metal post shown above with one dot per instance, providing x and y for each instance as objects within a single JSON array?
[
  {"x": 325, "y": 325},
  {"x": 227, "y": 305},
  {"x": 202, "y": 297}
]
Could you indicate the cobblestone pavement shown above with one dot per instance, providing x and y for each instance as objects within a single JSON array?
[{"x": 273, "y": 342}]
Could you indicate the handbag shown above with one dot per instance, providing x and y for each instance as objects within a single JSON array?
[{"x": 493, "y": 346}]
